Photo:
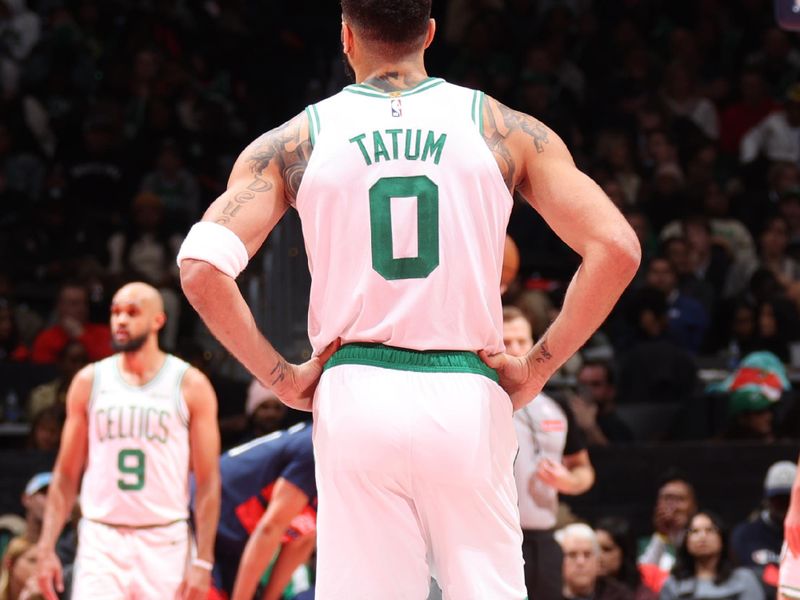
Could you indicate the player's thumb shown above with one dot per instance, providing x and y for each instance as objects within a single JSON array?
[
  {"x": 323, "y": 356},
  {"x": 495, "y": 361}
]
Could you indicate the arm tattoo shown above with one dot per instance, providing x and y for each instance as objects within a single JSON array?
[
  {"x": 289, "y": 148},
  {"x": 392, "y": 81},
  {"x": 278, "y": 372},
  {"x": 240, "y": 199},
  {"x": 545, "y": 352},
  {"x": 499, "y": 123}
]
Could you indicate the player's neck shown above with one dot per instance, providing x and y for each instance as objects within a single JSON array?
[
  {"x": 141, "y": 365},
  {"x": 392, "y": 76}
]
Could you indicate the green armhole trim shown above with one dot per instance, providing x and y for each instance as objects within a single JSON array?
[
  {"x": 478, "y": 99},
  {"x": 313, "y": 123},
  {"x": 402, "y": 359},
  {"x": 479, "y": 114}
]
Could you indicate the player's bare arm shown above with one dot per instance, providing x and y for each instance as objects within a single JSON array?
[
  {"x": 204, "y": 445},
  {"x": 536, "y": 164},
  {"x": 285, "y": 504},
  {"x": 263, "y": 184},
  {"x": 63, "y": 489}
]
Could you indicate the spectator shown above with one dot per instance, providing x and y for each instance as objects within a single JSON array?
[
  {"x": 72, "y": 323},
  {"x": 750, "y": 417},
  {"x": 146, "y": 251},
  {"x": 33, "y": 501},
  {"x": 773, "y": 246},
  {"x": 777, "y": 327},
  {"x": 655, "y": 369},
  {"x": 175, "y": 185},
  {"x": 20, "y": 29},
  {"x": 703, "y": 568},
  {"x": 682, "y": 99},
  {"x": 678, "y": 251},
  {"x": 265, "y": 413},
  {"x": 753, "y": 105},
  {"x": 595, "y": 408},
  {"x": 688, "y": 320},
  {"x": 46, "y": 429},
  {"x": 776, "y": 136},
  {"x": 618, "y": 556},
  {"x": 582, "y": 566},
  {"x": 71, "y": 359},
  {"x": 756, "y": 543},
  {"x": 19, "y": 565},
  {"x": 552, "y": 459},
  {"x": 675, "y": 503},
  {"x": 11, "y": 347}
]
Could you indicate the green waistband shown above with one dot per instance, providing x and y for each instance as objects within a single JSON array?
[{"x": 401, "y": 359}]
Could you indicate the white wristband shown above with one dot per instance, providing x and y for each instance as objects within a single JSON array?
[
  {"x": 203, "y": 564},
  {"x": 217, "y": 245}
]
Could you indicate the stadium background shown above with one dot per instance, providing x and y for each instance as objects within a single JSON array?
[{"x": 111, "y": 109}]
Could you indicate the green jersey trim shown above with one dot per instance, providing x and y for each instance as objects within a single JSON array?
[
  {"x": 313, "y": 123},
  {"x": 311, "y": 133},
  {"x": 365, "y": 90},
  {"x": 402, "y": 359},
  {"x": 478, "y": 98}
]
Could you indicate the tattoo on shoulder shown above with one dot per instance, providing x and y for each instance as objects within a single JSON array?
[
  {"x": 500, "y": 122},
  {"x": 285, "y": 146}
]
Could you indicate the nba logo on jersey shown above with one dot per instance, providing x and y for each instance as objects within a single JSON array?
[{"x": 397, "y": 107}]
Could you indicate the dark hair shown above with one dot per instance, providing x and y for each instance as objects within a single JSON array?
[
  {"x": 674, "y": 474},
  {"x": 684, "y": 567},
  {"x": 401, "y": 24},
  {"x": 620, "y": 531}
]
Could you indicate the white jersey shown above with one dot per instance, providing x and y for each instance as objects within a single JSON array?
[
  {"x": 138, "y": 455},
  {"x": 404, "y": 213}
]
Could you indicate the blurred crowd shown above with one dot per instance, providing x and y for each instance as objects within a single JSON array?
[{"x": 120, "y": 120}]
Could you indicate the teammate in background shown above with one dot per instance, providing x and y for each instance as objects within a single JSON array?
[
  {"x": 404, "y": 187},
  {"x": 552, "y": 460},
  {"x": 789, "y": 586},
  {"x": 269, "y": 496},
  {"x": 136, "y": 421}
]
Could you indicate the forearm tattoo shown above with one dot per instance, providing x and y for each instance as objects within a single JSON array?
[
  {"x": 544, "y": 352},
  {"x": 278, "y": 372},
  {"x": 287, "y": 146},
  {"x": 499, "y": 123}
]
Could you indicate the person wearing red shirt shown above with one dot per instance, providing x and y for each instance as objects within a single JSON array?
[{"x": 72, "y": 323}]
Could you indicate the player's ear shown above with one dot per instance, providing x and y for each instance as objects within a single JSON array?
[
  {"x": 347, "y": 37},
  {"x": 431, "y": 33},
  {"x": 160, "y": 320}
]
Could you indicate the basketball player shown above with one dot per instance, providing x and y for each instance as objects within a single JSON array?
[
  {"x": 268, "y": 499},
  {"x": 789, "y": 587},
  {"x": 404, "y": 187},
  {"x": 136, "y": 421}
]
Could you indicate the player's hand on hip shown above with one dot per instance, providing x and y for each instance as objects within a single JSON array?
[
  {"x": 49, "y": 574},
  {"x": 517, "y": 377},
  {"x": 299, "y": 382},
  {"x": 195, "y": 584},
  {"x": 791, "y": 527}
]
